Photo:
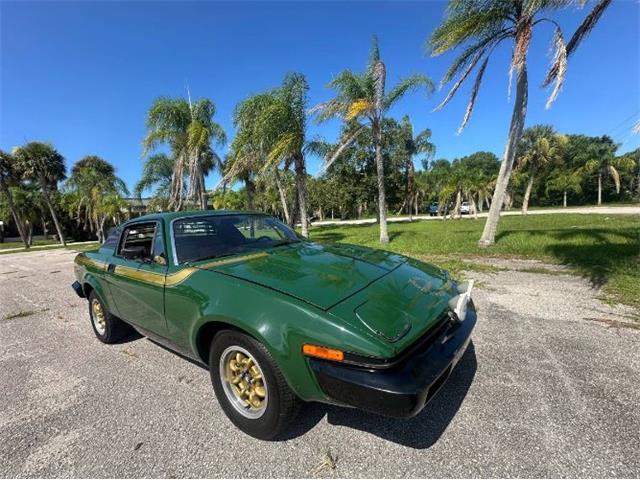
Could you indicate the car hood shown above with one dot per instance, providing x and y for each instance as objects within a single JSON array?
[
  {"x": 400, "y": 307},
  {"x": 321, "y": 275}
]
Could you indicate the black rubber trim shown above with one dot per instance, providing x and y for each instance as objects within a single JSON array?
[{"x": 78, "y": 289}]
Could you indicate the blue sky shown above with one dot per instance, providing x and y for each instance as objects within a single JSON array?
[{"x": 83, "y": 74}]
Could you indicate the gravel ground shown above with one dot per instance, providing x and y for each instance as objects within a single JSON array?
[{"x": 549, "y": 388}]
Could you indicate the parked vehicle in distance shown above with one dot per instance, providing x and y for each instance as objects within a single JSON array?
[
  {"x": 464, "y": 208},
  {"x": 433, "y": 209},
  {"x": 278, "y": 319}
]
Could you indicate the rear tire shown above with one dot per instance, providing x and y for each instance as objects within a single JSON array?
[
  {"x": 107, "y": 327},
  {"x": 242, "y": 370}
]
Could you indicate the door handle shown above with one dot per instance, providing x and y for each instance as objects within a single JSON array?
[{"x": 111, "y": 267}]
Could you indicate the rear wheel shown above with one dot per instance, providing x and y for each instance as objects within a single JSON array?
[
  {"x": 108, "y": 328},
  {"x": 249, "y": 385}
]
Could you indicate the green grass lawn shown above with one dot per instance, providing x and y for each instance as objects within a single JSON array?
[
  {"x": 605, "y": 249},
  {"x": 40, "y": 245},
  {"x": 36, "y": 243}
]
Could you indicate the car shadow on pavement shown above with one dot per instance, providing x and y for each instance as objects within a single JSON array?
[{"x": 421, "y": 431}]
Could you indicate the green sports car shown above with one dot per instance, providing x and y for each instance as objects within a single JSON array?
[{"x": 276, "y": 318}]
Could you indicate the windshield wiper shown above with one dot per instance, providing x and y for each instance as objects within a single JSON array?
[{"x": 284, "y": 242}]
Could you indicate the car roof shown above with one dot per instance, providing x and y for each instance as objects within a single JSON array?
[{"x": 169, "y": 216}]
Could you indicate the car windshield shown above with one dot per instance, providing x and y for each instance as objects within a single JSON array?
[{"x": 205, "y": 237}]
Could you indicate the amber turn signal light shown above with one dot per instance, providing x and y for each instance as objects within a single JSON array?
[{"x": 322, "y": 352}]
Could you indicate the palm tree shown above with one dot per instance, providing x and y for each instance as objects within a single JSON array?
[
  {"x": 565, "y": 181},
  {"x": 602, "y": 160},
  {"x": 412, "y": 146},
  {"x": 189, "y": 130},
  {"x": 539, "y": 147},
  {"x": 42, "y": 163},
  {"x": 481, "y": 27},
  {"x": 97, "y": 192},
  {"x": 272, "y": 129},
  {"x": 157, "y": 173},
  {"x": 8, "y": 178},
  {"x": 361, "y": 100}
]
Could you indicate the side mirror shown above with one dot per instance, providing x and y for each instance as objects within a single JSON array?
[{"x": 132, "y": 253}]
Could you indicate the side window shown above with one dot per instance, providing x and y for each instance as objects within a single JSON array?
[
  {"x": 159, "y": 255},
  {"x": 111, "y": 242},
  {"x": 137, "y": 242}
]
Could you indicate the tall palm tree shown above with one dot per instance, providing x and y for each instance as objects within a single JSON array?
[
  {"x": 481, "y": 26},
  {"x": 8, "y": 178},
  {"x": 157, "y": 173},
  {"x": 360, "y": 100},
  {"x": 539, "y": 147},
  {"x": 189, "y": 131},
  {"x": 97, "y": 192},
  {"x": 272, "y": 129},
  {"x": 412, "y": 146},
  {"x": 602, "y": 160},
  {"x": 42, "y": 163}
]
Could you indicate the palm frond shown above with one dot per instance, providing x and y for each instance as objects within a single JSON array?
[
  {"x": 579, "y": 35},
  {"x": 408, "y": 84},
  {"x": 559, "y": 64},
  {"x": 615, "y": 176},
  {"x": 474, "y": 95},
  {"x": 460, "y": 81},
  {"x": 462, "y": 25},
  {"x": 329, "y": 160}
]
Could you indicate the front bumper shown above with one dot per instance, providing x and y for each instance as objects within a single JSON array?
[{"x": 404, "y": 388}]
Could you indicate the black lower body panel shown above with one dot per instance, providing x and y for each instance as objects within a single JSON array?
[{"x": 404, "y": 389}]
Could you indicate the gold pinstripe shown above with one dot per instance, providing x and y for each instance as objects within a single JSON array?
[{"x": 178, "y": 277}]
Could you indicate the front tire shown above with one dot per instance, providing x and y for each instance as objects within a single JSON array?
[
  {"x": 249, "y": 385},
  {"x": 108, "y": 328}
]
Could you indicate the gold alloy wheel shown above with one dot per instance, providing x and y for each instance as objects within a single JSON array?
[
  {"x": 98, "y": 318},
  {"x": 243, "y": 382}
]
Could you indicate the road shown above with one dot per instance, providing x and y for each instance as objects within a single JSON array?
[
  {"x": 550, "y": 387},
  {"x": 626, "y": 210}
]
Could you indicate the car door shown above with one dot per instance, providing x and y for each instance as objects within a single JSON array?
[{"x": 137, "y": 284}]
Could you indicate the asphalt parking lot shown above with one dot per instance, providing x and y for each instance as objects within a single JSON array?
[{"x": 550, "y": 387}]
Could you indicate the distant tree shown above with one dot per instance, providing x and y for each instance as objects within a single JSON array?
[
  {"x": 539, "y": 147},
  {"x": 564, "y": 181},
  {"x": 411, "y": 146},
  {"x": 42, "y": 164},
  {"x": 9, "y": 177},
  {"x": 481, "y": 26},
  {"x": 601, "y": 160},
  {"x": 360, "y": 100},
  {"x": 97, "y": 193}
]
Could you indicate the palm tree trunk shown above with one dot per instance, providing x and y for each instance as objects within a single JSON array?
[
  {"x": 47, "y": 200},
  {"x": 45, "y": 232},
  {"x": 382, "y": 202},
  {"x": 283, "y": 197},
  {"x": 456, "y": 209},
  {"x": 473, "y": 207},
  {"x": 16, "y": 217},
  {"x": 249, "y": 189},
  {"x": 204, "y": 202},
  {"x": 600, "y": 188},
  {"x": 301, "y": 187},
  {"x": 515, "y": 133},
  {"x": 564, "y": 200},
  {"x": 527, "y": 195}
]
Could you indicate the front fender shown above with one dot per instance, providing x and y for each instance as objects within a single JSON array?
[{"x": 282, "y": 324}]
